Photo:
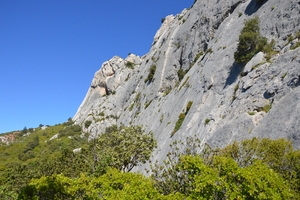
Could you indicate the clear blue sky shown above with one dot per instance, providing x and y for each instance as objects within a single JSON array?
[{"x": 50, "y": 50}]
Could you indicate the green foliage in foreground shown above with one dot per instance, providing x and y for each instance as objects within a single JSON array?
[
  {"x": 223, "y": 179},
  {"x": 250, "y": 169},
  {"x": 112, "y": 185}
]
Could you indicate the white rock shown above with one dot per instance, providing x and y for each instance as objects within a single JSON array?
[
  {"x": 54, "y": 137},
  {"x": 256, "y": 60}
]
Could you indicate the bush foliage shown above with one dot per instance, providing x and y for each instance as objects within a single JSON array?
[
  {"x": 151, "y": 74},
  {"x": 249, "y": 169},
  {"x": 251, "y": 42}
]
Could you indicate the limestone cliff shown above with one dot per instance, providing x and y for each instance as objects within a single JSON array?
[{"x": 192, "y": 59}]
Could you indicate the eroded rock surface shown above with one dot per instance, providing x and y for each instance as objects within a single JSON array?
[{"x": 227, "y": 103}]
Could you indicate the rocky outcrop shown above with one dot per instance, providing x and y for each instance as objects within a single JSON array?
[{"x": 192, "y": 59}]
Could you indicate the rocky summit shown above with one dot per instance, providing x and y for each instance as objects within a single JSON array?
[{"x": 190, "y": 83}]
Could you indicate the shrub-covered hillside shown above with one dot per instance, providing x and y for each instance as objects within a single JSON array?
[{"x": 40, "y": 166}]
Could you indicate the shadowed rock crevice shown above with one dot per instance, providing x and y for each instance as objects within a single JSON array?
[{"x": 253, "y": 6}]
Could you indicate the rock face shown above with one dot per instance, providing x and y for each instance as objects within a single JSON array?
[{"x": 264, "y": 101}]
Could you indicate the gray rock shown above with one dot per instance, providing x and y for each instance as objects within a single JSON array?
[
  {"x": 77, "y": 150},
  {"x": 256, "y": 60},
  {"x": 120, "y": 95}
]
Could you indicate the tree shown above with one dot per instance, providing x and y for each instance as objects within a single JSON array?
[
  {"x": 128, "y": 147},
  {"x": 24, "y": 130},
  {"x": 250, "y": 42},
  {"x": 122, "y": 148},
  {"x": 168, "y": 177}
]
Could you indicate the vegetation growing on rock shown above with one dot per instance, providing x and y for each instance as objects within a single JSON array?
[
  {"x": 181, "y": 118},
  {"x": 251, "y": 42},
  {"x": 151, "y": 74}
]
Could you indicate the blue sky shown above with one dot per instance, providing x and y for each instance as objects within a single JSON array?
[{"x": 50, "y": 50}]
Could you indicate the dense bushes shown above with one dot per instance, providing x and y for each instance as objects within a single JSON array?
[
  {"x": 112, "y": 185},
  {"x": 70, "y": 131},
  {"x": 249, "y": 169}
]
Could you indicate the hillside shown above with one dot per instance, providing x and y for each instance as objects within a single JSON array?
[
  {"x": 190, "y": 82},
  {"x": 210, "y": 112}
]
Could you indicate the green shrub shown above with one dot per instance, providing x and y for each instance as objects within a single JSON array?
[
  {"x": 34, "y": 142},
  {"x": 87, "y": 123},
  {"x": 183, "y": 84},
  {"x": 167, "y": 91},
  {"x": 207, "y": 121},
  {"x": 151, "y": 74},
  {"x": 101, "y": 114},
  {"x": 234, "y": 92},
  {"x": 148, "y": 104},
  {"x": 69, "y": 122},
  {"x": 162, "y": 118},
  {"x": 137, "y": 97},
  {"x": 131, "y": 107},
  {"x": 298, "y": 35},
  {"x": 209, "y": 50},
  {"x": 290, "y": 38},
  {"x": 129, "y": 65},
  {"x": 284, "y": 75},
  {"x": 251, "y": 113},
  {"x": 266, "y": 108},
  {"x": 196, "y": 58},
  {"x": 181, "y": 118},
  {"x": 251, "y": 42},
  {"x": 72, "y": 130},
  {"x": 181, "y": 74},
  {"x": 188, "y": 106},
  {"x": 295, "y": 46},
  {"x": 179, "y": 122},
  {"x": 247, "y": 41}
]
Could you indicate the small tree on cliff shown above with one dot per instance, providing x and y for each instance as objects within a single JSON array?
[{"x": 250, "y": 42}]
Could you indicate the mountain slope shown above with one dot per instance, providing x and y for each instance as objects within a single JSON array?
[{"x": 192, "y": 60}]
